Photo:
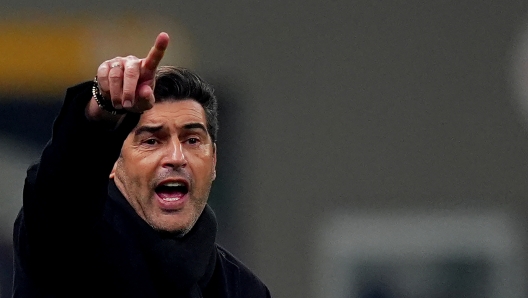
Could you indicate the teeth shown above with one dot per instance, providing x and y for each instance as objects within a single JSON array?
[
  {"x": 174, "y": 184},
  {"x": 171, "y": 199}
]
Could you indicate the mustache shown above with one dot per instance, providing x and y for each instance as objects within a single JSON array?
[{"x": 175, "y": 173}]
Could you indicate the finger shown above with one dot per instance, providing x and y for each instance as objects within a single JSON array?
[
  {"x": 151, "y": 62},
  {"x": 130, "y": 80},
  {"x": 102, "y": 79},
  {"x": 144, "y": 97},
  {"x": 115, "y": 80},
  {"x": 145, "y": 92}
]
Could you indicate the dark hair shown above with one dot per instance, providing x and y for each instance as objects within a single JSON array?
[{"x": 175, "y": 83}]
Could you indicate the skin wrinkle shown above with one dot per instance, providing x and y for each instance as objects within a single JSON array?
[
  {"x": 170, "y": 141},
  {"x": 130, "y": 258}
]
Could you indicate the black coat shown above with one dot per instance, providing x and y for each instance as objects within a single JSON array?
[{"x": 77, "y": 236}]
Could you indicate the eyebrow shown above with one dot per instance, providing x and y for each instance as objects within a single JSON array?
[
  {"x": 153, "y": 129},
  {"x": 195, "y": 125},
  {"x": 149, "y": 129}
]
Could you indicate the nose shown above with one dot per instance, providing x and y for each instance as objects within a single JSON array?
[{"x": 174, "y": 156}]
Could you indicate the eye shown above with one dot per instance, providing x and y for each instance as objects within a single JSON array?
[
  {"x": 193, "y": 141},
  {"x": 150, "y": 141}
]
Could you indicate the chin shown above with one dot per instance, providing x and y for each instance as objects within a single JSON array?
[
  {"x": 178, "y": 231},
  {"x": 176, "y": 228},
  {"x": 175, "y": 223}
]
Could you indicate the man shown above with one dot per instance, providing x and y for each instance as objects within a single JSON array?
[{"x": 147, "y": 231}]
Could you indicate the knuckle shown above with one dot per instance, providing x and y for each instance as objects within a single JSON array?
[
  {"x": 130, "y": 75},
  {"x": 102, "y": 72},
  {"x": 132, "y": 65},
  {"x": 128, "y": 88},
  {"x": 131, "y": 68},
  {"x": 114, "y": 76},
  {"x": 128, "y": 92}
]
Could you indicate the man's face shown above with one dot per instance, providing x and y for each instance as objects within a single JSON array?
[{"x": 167, "y": 165}]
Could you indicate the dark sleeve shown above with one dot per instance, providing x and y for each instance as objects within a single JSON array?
[{"x": 65, "y": 191}]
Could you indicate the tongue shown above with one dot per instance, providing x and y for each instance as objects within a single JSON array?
[{"x": 166, "y": 194}]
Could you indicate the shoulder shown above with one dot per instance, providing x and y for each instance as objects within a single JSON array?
[
  {"x": 248, "y": 283},
  {"x": 31, "y": 172}
]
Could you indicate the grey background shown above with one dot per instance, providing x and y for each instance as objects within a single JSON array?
[{"x": 350, "y": 105}]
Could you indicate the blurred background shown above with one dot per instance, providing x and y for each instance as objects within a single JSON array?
[{"x": 367, "y": 149}]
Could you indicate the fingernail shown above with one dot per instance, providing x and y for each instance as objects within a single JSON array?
[
  {"x": 118, "y": 106},
  {"x": 127, "y": 104}
]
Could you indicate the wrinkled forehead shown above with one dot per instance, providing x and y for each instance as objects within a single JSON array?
[{"x": 169, "y": 112}]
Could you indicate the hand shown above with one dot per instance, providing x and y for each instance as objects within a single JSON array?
[{"x": 129, "y": 81}]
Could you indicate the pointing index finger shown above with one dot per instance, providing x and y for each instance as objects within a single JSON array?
[{"x": 151, "y": 62}]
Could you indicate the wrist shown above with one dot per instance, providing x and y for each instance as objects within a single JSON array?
[
  {"x": 102, "y": 102},
  {"x": 94, "y": 113}
]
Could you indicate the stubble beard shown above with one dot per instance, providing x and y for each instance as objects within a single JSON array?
[{"x": 129, "y": 184}]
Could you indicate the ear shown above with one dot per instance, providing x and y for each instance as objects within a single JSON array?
[
  {"x": 213, "y": 177},
  {"x": 112, "y": 174}
]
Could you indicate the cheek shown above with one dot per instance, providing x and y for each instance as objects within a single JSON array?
[
  {"x": 137, "y": 167},
  {"x": 143, "y": 159},
  {"x": 202, "y": 166},
  {"x": 205, "y": 168}
]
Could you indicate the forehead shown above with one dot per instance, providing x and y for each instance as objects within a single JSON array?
[{"x": 180, "y": 111}]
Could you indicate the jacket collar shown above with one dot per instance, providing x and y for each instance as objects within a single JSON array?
[{"x": 176, "y": 264}]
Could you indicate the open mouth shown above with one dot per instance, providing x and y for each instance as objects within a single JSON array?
[{"x": 172, "y": 191}]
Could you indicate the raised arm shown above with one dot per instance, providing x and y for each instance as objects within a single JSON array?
[{"x": 65, "y": 192}]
